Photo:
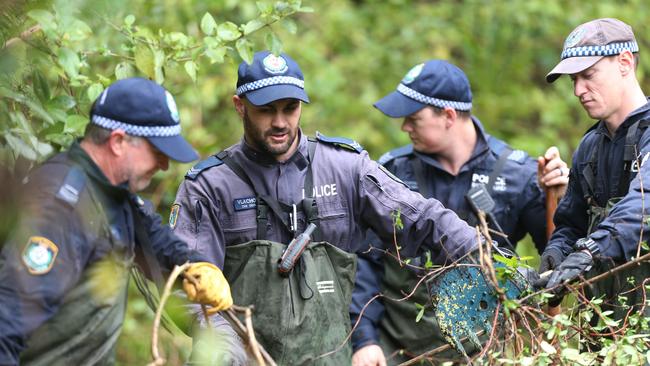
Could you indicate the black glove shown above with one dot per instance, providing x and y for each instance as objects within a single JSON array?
[
  {"x": 551, "y": 258},
  {"x": 576, "y": 264}
]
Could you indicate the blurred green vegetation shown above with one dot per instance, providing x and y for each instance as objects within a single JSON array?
[{"x": 352, "y": 53}]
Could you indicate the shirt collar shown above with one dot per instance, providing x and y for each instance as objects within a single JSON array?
[{"x": 79, "y": 156}]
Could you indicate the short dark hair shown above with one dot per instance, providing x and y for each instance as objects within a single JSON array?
[
  {"x": 461, "y": 114},
  {"x": 96, "y": 134}
]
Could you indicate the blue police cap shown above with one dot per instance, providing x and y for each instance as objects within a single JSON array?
[
  {"x": 143, "y": 108},
  {"x": 436, "y": 83},
  {"x": 269, "y": 78}
]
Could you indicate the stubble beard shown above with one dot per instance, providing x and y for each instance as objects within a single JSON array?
[{"x": 259, "y": 138}]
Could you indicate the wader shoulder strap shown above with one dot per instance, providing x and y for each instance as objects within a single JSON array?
[
  {"x": 418, "y": 169},
  {"x": 632, "y": 138},
  {"x": 498, "y": 168},
  {"x": 309, "y": 206},
  {"x": 589, "y": 181},
  {"x": 262, "y": 208}
]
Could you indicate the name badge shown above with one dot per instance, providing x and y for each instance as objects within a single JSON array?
[{"x": 245, "y": 203}]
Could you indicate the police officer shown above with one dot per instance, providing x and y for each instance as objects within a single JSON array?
[
  {"x": 242, "y": 206},
  {"x": 451, "y": 155},
  {"x": 599, "y": 223},
  {"x": 64, "y": 272}
]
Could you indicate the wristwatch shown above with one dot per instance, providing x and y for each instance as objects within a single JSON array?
[{"x": 588, "y": 244}]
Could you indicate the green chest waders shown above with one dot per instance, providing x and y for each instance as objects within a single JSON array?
[
  {"x": 301, "y": 316},
  {"x": 85, "y": 329},
  {"x": 305, "y": 314},
  {"x": 618, "y": 283}
]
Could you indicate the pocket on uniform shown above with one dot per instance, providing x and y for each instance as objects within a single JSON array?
[{"x": 240, "y": 227}]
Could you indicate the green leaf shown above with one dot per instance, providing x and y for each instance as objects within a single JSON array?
[
  {"x": 63, "y": 102},
  {"x": 123, "y": 70},
  {"x": 129, "y": 20},
  {"x": 41, "y": 86},
  {"x": 44, "y": 18},
  {"x": 290, "y": 25},
  {"x": 252, "y": 26},
  {"x": 228, "y": 31},
  {"x": 159, "y": 63},
  {"x": 208, "y": 25},
  {"x": 273, "y": 43},
  {"x": 245, "y": 49},
  {"x": 420, "y": 315},
  {"x": 69, "y": 61},
  {"x": 20, "y": 147},
  {"x": 264, "y": 8},
  {"x": 190, "y": 69},
  {"x": 76, "y": 31},
  {"x": 216, "y": 54},
  {"x": 94, "y": 91},
  {"x": 75, "y": 124},
  {"x": 306, "y": 9},
  {"x": 144, "y": 60}
]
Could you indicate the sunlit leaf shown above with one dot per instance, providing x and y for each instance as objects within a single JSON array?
[
  {"x": 273, "y": 43},
  {"x": 252, "y": 26},
  {"x": 228, "y": 31},
  {"x": 245, "y": 49},
  {"x": 69, "y": 61},
  {"x": 190, "y": 69},
  {"x": 208, "y": 25}
]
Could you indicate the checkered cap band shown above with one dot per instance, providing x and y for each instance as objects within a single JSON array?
[
  {"x": 606, "y": 50},
  {"x": 135, "y": 130},
  {"x": 275, "y": 80},
  {"x": 440, "y": 103}
]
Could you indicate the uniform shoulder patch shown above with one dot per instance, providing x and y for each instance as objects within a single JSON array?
[
  {"x": 396, "y": 153},
  {"x": 343, "y": 142},
  {"x": 173, "y": 215},
  {"x": 73, "y": 184},
  {"x": 203, "y": 165},
  {"x": 39, "y": 255}
]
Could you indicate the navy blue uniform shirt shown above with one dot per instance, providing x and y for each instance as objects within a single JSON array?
[
  {"x": 619, "y": 234},
  {"x": 83, "y": 218}
]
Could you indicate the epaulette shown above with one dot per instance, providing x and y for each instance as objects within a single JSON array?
[
  {"x": 343, "y": 142},
  {"x": 73, "y": 184},
  {"x": 396, "y": 153},
  {"x": 518, "y": 156},
  {"x": 202, "y": 165},
  {"x": 498, "y": 146}
]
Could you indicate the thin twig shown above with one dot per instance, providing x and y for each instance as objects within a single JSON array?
[{"x": 157, "y": 359}]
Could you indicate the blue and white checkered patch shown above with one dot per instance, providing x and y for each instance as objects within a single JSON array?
[
  {"x": 607, "y": 50},
  {"x": 440, "y": 103},
  {"x": 134, "y": 130},
  {"x": 275, "y": 80}
]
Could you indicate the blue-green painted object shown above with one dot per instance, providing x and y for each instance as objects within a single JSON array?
[{"x": 465, "y": 303}]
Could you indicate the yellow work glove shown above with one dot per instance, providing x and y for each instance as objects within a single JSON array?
[{"x": 209, "y": 286}]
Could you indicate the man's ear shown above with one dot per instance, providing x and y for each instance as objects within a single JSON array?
[
  {"x": 450, "y": 116},
  {"x": 626, "y": 62},
  {"x": 117, "y": 142},
  {"x": 239, "y": 105}
]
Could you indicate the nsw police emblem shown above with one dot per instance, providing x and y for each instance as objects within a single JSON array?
[
  {"x": 173, "y": 215},
  {"x": 574, "y": 38},
  {"x": 171, "y": 104},
  {"x": 275, "y": 64},
  {"x": 412, "y": 74},
  {"x": 39, "y": 255}
]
